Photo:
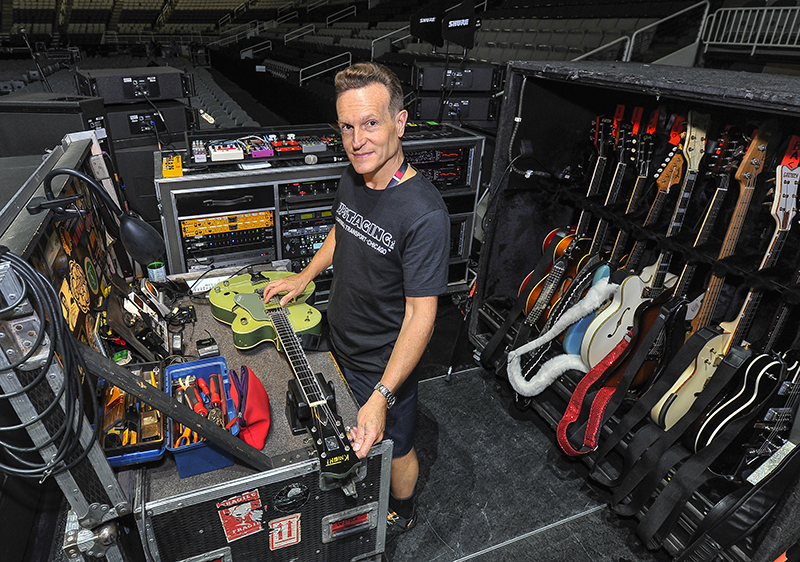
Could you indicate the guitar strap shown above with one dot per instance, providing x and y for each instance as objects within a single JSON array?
[
  {"x": 650, "y": 432},
  {"x": 644, "y": 468},
  {"x": 598, "y": 404},
  {"x": 613, "y": 398},
  {"x": 488, "y": 355}
]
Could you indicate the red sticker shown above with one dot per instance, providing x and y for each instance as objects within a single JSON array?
[
  {"x": 284, "y": 531},
  {"x": 636, "y": 119},
  {"x": 676, "y": 130},
  {"x": 241, "y": 515}
]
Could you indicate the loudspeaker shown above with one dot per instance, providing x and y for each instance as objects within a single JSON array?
[
  {"x": 31, "y": 123},
  {"x": 139, "y": 124},
  {"x": 137, "y": 170},
  {"x": 129, "y": 85}
]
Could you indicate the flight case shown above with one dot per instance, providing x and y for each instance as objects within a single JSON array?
[{"x": 549, "y": 122}]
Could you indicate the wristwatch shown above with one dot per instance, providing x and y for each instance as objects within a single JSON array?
[{"x": 390, "y": 398}]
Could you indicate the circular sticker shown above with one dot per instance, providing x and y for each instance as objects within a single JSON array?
[
  {"x": 291, "y": 498},
  {"x": 91, "y": 275}
]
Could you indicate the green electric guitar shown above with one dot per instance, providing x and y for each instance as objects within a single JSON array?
[{"x": 239, "y": 301}]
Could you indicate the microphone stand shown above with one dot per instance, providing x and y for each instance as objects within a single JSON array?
[{"x": 46, "y": 84}]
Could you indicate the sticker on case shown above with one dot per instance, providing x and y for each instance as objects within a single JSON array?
[
  {"x": 284, "y": 531},
  {"x": 241, "y": 515}
]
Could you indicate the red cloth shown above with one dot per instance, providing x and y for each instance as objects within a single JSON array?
[{"x": 252, "y": 409}]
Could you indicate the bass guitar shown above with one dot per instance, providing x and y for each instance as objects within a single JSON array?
[
  {"x": 238, "y": 301},
  {"x": 753, "y": 383},
  {"x": 677, "y": 401}
]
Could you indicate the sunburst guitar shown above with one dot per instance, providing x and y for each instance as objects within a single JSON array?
[{"x": 239, "y": 301}]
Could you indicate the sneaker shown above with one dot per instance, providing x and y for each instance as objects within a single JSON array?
[{"x": 397, "y": 525}]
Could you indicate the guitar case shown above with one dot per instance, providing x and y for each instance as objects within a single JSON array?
[{"x": 552, "y": 107}]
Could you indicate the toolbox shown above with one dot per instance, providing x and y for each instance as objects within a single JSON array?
[
  {"x": 550, "y": 119},
  {"x": 198, "y": 457},
  {"x": 147, "y": 447}
]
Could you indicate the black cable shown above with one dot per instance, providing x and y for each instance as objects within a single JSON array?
[{"x": 66, "y": 438}]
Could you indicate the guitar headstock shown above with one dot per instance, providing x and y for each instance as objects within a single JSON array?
[
  {"x": 627, "y": 145},
  {"x": 644, "y": 155},
  {"x": 603, "y": 135},
  {"x": 753, "y": 160},
  {"x": 694, "y": 143},
  {"x": 784, "y": 206},
  {"x": 671, "y": 171},
  {"x": 725, "y": 153}
]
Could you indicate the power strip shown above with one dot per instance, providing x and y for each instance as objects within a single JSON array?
[{"x": 206, "y": 283}]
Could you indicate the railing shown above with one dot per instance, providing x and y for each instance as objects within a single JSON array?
[
  {"x": 613, "y": 51},
  {"x": 288, "y": 6},
  {"x": 286, "y": 17},
  {"x": 251, "y": 51},
  {"x": 244, "y": 34},
  {"x": 298, "y": 33},
  {"x": 384, "y": 41},
  {"x": 340, "y": 15},
  {"x": 753, "y": 27},
  {"x": 314, "y": 5},
  {"x": 642, "y": 38},
  {"x": 111, "y": 38},
  {"x": 346, "y": 58}
]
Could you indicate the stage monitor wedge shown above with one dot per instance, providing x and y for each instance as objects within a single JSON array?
[{"x": 426, "y": 24}]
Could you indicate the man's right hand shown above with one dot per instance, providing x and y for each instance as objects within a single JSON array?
[{"x": 292, "y": 286}]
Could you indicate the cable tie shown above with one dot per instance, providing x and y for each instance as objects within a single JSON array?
[{"x": 518, "y": 119}]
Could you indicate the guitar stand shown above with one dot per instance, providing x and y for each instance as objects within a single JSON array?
[{"x": 298, "y": 412}]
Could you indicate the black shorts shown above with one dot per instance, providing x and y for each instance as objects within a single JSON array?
[{"x": 400, "y": 418}]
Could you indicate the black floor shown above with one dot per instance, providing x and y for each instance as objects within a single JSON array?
[{"x": 497, "y": 489}]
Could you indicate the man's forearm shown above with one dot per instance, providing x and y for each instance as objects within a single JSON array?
[{"x": 415, "y": 333}]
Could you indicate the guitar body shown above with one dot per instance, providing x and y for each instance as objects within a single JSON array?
[
  {"x": 533, "y": 296},
  {"x": 611, "y": 324},
  {"x": 677, "y": 401},
  {"x": 770, "y": 430},
  {"x": 644, "y": 318},
  {"x": 238, "y": 301},
  {"x": 574, "y": 334},
  {"x": 752, "y": 384}
]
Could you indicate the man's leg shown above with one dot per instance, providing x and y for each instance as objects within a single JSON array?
[{"x": 405, "y": 471}]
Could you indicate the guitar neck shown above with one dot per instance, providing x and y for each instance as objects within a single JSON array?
[
  {"x": 780, "y": 319},
  {"x": 613, "y": 194},
  {"x": 703, "y": 317},
  {"x": 652, "y": 217},
  {"x": 710, "y": 218},
  {"x": 297, "y": 358},
  {"x": 594, "y": 188},
  {"x": 622, "y": 236}
]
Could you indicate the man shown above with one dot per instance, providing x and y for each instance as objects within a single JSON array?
[{"x": 389, "y": 249}]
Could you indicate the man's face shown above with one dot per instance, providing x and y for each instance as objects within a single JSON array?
[{"x": 370, "y": 133}]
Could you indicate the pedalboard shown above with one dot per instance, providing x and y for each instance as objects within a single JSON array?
[{"x": 260, "y": 147}]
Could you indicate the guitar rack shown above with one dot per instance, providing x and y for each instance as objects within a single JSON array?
[{"x": 553, "y": 109}]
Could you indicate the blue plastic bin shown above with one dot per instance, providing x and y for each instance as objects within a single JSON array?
[{"x": 197, "y": 458}]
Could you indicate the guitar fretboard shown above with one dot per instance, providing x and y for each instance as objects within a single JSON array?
[{"x": 297, "y": 357}]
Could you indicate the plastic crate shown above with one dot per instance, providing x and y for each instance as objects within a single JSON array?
[{"x": 196, "y": 458}]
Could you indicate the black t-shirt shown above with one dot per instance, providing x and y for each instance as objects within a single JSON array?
[{"x": 390, "y": 244}]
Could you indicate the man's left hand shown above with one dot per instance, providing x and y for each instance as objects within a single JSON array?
[{"x": 370, "y": 425}]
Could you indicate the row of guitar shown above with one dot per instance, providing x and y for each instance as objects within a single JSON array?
[{"x": 628, "y": 327}]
